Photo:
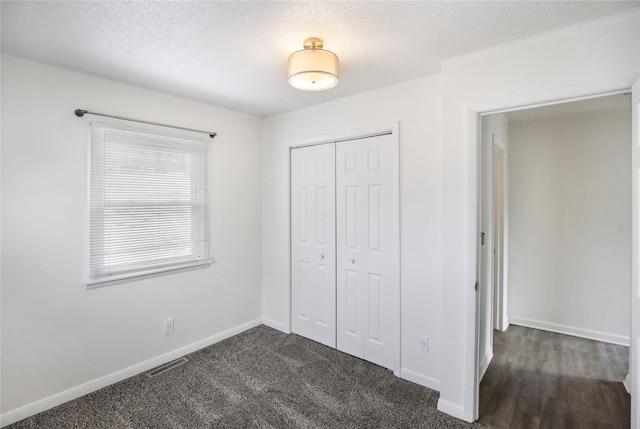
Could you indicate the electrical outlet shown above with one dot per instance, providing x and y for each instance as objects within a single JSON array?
[
  {"x": 423, "y": 343},
  {"x": 168, "y": 325}
]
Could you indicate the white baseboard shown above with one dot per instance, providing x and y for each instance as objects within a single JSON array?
[
  {"x": 451, "y": 409},
  {"x": 505, "y": 325},
  {"x": 484, "y": 363},
  {"x": 627, "y": 383},
  {"x": 275, "y": 325},
  {"x": 36, "y": 407},
  {"x": 420, "y": 379},
  {"x": 571, "y": 330}
]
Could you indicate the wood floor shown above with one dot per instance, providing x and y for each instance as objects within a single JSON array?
[{"x": 539, "y": 379}]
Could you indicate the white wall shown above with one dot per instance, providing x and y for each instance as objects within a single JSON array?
[
  {"x": 57, "y": 336},
  {"x": 570, "y": 211},
  {"x": 587, "y": 59},
  {"x": 416, "y": 106}
]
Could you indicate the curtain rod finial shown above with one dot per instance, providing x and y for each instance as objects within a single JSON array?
[
  {"x": 213, "y": 135},
  {"x": 80, "y": 113}
]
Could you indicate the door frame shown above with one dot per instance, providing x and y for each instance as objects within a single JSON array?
[
  {"x": 474, "y": 142},
  {"x": 498, "y": 265},
  {"x": 391, "y": 128},
  {"x": 491, "y": 268},
  {"x": 634, "y": 360}
]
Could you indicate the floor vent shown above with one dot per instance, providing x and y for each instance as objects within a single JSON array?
[{"x": 166, "y": 367}]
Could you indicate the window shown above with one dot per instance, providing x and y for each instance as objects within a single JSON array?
[{"x": 148, "y": 204}]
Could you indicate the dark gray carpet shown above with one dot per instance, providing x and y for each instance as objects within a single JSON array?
[{"x": 258, "y": 379}]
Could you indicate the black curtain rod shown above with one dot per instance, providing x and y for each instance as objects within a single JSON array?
[{"x": 80, "y": 113}]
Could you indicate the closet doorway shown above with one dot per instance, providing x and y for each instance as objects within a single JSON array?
[{"x": 345, "y": 258}]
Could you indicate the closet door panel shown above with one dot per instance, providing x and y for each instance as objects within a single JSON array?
[
  {"x": 351, "y": 303},
  {"x": 367, "y": 249},
  {"x": 313, "y": 246},
  {"x": 382, "y": 250}
]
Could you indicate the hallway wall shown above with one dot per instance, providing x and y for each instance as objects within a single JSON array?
[{"x": 570, "y": 214}]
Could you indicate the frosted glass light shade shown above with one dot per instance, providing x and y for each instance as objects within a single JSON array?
[{"x": 313, "y": 69}]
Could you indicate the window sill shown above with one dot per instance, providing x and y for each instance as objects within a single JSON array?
[{"x": 125, "y": 278}]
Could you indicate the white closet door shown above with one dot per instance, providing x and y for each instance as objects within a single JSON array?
[
  {"x": 313, "y": 247},
  {"x": 368, "y": 280}
]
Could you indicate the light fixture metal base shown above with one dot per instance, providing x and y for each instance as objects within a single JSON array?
[{"x": 313, "y": 43}]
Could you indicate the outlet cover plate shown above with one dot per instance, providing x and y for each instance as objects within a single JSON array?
[
  {"x": 423, "y": 343},
  {"x": 168, "y": 325}
]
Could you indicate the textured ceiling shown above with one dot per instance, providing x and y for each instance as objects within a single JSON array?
[{"x": 234, "y": 54}]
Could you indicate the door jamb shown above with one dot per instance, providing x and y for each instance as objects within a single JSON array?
[{"x": 498, "y": 302}]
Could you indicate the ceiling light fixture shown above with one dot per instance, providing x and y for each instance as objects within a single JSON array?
[{"x": 313, "y": 69}]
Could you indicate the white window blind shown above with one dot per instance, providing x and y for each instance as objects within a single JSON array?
[{"x": 148, "y": 204}]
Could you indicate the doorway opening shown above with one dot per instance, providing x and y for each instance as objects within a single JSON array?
[{"x": 555, "y": 218}]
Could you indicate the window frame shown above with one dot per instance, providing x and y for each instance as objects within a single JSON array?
[{"x": 107, "y": 277}]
